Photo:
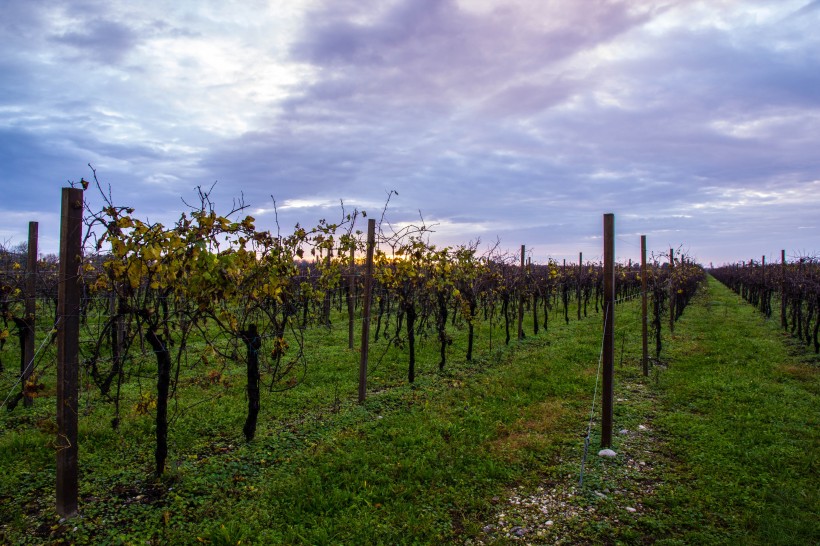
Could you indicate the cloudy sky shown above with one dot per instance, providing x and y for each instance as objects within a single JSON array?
[{"x": 696, "y": 122}]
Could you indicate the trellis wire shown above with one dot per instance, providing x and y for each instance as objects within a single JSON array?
[
  {"x": 592, "y": 410},
  {"x": 30, "y": 365}
]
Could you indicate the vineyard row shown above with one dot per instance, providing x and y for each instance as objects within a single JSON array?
[
  {"x": 212, "y": 287},
  {"x": 795, "y": 284}
]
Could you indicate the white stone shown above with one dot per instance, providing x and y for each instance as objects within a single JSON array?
[
  {"x": 606, "y": 453},
  {"x": 641, "y": 427},
  {"x": 549, "y": 522},
  {"x": 630, "y": 509},
  {"x": 623, "y": 431}
]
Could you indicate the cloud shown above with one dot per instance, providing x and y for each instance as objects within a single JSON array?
[
  {"x": 810, "y": 8},
  {"x": 525, "y": 119},
  {"x": 432, "y": 50},
  {"x": 103, "y": 41},
  {"x": 408, "y": 91}
]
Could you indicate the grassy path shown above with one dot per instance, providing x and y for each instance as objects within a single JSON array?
[
  {"x": 741, "y": 408},
  {"x": 720, "y": 447}
]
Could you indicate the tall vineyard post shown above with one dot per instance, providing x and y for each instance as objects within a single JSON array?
[
  {"x": 671, "y": 291},
  {"x": 30, "y": 312},
  {"x": 644, "y": 317},
  {"x": 783, "y": 323},
  {"x": 565, "y": 291},
  {"x": 521, "y": 296},
  {"x": 763, "y": 298},
  {"x": 326, "y": 300},
  {"x": 68, "y": 335},
  {"x": 368, "y": 291},
  {"x": 607, "y": 391},
  {"x": 580, "y": 275},
  {"x": 535, "y": 293},
  {"x": 351, "y": 298}
]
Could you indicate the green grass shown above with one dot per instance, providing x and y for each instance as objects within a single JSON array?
[
  {"x": 733, "y": 456},
  {"x": 741, "y": 409},
  {"x": 414, "y": 462}
]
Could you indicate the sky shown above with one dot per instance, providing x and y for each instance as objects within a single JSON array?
[{"x": 697, "y": 123}]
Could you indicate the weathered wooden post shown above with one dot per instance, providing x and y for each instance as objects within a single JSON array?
[
  {"x": 326, "y": 301},
  {"x": 763, "y": 302},
  {"x": 68, "y": 337},
  {"x": 351, "y": 298},
  {"x": 535, "y": 324},
  {"x": 671, "y": 291},
  {"x": 580, "y": 276},
  {"x": 368, "y": 289},
  {"x": 565, "y": 291},
  {"x": 27, "y": 361},
  {"x": 607, "y": 391},
  {"x": 644, "y": 316},
  {"x": 521, "y": 296},
  {"x": 783, "y": 322}
]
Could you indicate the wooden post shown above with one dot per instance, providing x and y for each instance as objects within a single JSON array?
[
  {"x": 326, "y": 301},
  {"x": 763, "y": 285},
  {"x": 671, "y": 291},
  {"x": 30, "y": 316},
  {"x": 607, "y": 391},
  {"x": 351, "y": 298},
  {"x": 368, "y": 289},
  {"x": 580, "y": 274},
  {"x": 644, "y": 316},
  {"x": 565, "y": 291},
  {"x": 68, "y": 337},
  {"x": 783, "y": 322},
  {"x": 521, "y": 297},
  {"x": 535, "y": 325}
]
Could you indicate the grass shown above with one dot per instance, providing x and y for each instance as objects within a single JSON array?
[
  {"x": 317, "y": 454},
  {"x": 718, "y": 446},
  {"x": 727, "y": 454},
  {"x": 742, "y": 409}
]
